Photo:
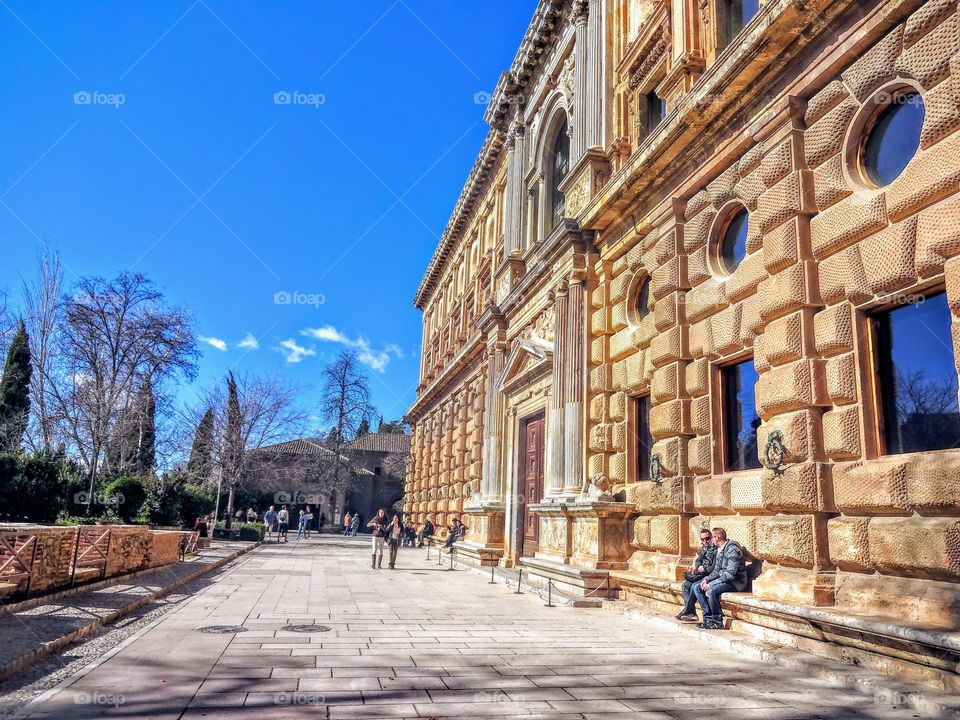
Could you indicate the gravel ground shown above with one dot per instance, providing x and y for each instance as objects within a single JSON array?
[{"x": 17, "y": 691}]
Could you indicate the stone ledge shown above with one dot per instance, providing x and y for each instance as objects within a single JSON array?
[
  {"x": 845, "y": 673},
  {"x": 570, "y": 578},
  {"x": 927, "y": 656}
]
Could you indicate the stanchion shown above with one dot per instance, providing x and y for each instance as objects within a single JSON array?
[
  {"x": 608, "y": 586},
  {"x": 519, "y": 581},
  {"x": 451, "y": 559},
  {"x": 493, "y": 580},
  {"x": 550, "y": 593},
  {"x": 428, "y": 552},
  {"x": 439, "y": 556}
]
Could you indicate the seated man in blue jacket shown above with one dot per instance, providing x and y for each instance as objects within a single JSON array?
[{"x": 729, "y": 574}]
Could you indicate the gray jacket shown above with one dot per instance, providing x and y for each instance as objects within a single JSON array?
[{"x": 730, "y": 567}]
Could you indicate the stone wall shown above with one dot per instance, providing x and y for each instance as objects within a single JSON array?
[
  {"x": 50, "y": 553},
  {"x": 841, "y": 523}
]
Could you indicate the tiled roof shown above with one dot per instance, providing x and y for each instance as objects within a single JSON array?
[
  {"x": 307, "y": 446},
  {"x": 381, "y": 442}
]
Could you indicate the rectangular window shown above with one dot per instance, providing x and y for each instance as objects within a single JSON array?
[
  {"x": 916, "y": 377},
  {"x": 656, "y": 110},
  {"x": 740, "y": 419},
  {"x": 644, "y": 441},
  {"x": 737, "y": 14}
]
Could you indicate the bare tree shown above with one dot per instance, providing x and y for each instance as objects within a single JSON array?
[
  {"x": 115, "y": 334},
  {"x": 345, "y": 403},
  {"x": 249, "y": 412},
  {"x": 42, "y": 303}
]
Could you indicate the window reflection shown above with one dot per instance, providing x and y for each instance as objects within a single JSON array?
[
  {"x": 733, "y": 245},
  {"x": 893, "y": 139},
  {"x": 644, "y": 438},
  {"x": 740, "y": 416},
  {"x": 560, "y": 167},
  {"x": 917, "y": 377}
]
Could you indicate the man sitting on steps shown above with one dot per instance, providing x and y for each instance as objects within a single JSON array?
[
  {"x": 702, "y": 566},
  {"x": 729, "y": 574}
]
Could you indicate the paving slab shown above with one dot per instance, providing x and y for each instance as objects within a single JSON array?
[{"x": 423, "y": 643}]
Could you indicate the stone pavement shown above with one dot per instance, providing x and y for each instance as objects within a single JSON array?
[
  {"x": 422, "y": 642},
  {"x": 47, "y": 624}
]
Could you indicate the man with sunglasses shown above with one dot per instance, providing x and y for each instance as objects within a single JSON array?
[
  {"x": 702, "y": 566},
  {"x": 729, "y": 574}
]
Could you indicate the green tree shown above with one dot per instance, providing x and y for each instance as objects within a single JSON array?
[
  {"x": 196, "y": 501},
  {"x": 394, "y": 427},
  {"x": 129, "y": 495},
  {"x": 232, "y": 443},
  {"x": 200, "y": 464},
  {"x": 363, "y": 428},
  {"x": 15, "y": 391}
]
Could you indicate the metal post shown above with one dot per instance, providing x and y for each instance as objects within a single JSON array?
[
  {"x": 439, "y": 556},
  {"x": 493, "y": 580},
  {"x": 608, "y": 586},
  {"x": 451, "y": 559},
  {"x": 428, "y": 552},
  {"x": 550, "y": 593},
  {"x": 519, "y": 581}
]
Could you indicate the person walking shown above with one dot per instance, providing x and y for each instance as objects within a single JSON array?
[
  {"x": 283, "y": 522},
  {"x": 379, "y": 525},
  {"x": 355, "y": 524},
  {"x": 270, "y": 522},
  {"x": 395, "y": 535},
  {"x": 309, "y": 524},
  {"x": 302, "y": 524},
  {"x": 346, "y": 524}
]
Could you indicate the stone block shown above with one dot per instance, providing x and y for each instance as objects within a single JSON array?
[
  {"x": 741, "y": 528},
  {"x": 790, "y": 197},
  {"x": 938, "y": 236},
  {"x": 665, "y": 533},
  {"x": 619, "y": 287},
  {"x": 597, "y": 464},
  {"x": 848, "y": 543},
  {"x": 665, "y": 312},
  {"x": 697, "y": 229},
  {"x": 926, "y": 18},
  {"x": 598, "y": 348},
  {"x": 670, "y": 418},
  {"x": 641, "y": 532},
  {"x": 668, "y": 496},
  {"x": 697, "y": 204},
  {"x": 929, "y": 177},
  {"x": 824, "y": 101},
  {"x": 787, "y": 540},
  {"x": 791, "y": 387},
  {"x": 841, "y": 433},
  {"x": 617, "y": 467},
  {"x": 701, "y": 339},
  {"x": 700, "y": 454},
  {"x": 665, "y": 383},
  {"x": 726, "y": 329},
  {"x": 705, "y": 299},
  {"x": 846, "y": 222},
  {"x": 842, "y": 379},
  {"x": 635, "y": 371},
  {"x": 933, "y": 483},
  {"x": 788, "y": 290},
  {"x": 833, "y": 330},
  {"x": 824, "y": 138},
  {"x": 601, "y": 378},
  {"x": 669, "y": 277},
  {"x": 601, "y": 437},
  {"x": 872, "y": 488},
  {"x": 618, "y": 406},
  {"x": 669, "y": 346},
  {"x": 928, "y": 58},
  {"x": 875, "y": 67},
  {"x": 712, "y": 495},
  {"x": 784, "y": 338},
  {"x": 598, "y": 322},
  {"x": 748, "y": 190},
  {"x": 800, "y": 431},
  {"x": 697, "y": 377},
  {"x": 746, "y": 277},
  {"x": 700, "y": 415},
  {"x": 941, "y": 111},
  {"x": 618, "y": 317},
  {"x": 781, "y": 245},
  {"x": 623, "y": 342},
  {"x": 916, "y": 547},
  {"x": 829, "y": 184},
  {"x": 777, "y": 162}
]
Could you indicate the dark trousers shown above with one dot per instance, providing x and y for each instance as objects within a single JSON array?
[
  {"x": 709, "y": 600},
  {"x": 394, "y": 548},
  {"x": 689, "y": 599}
]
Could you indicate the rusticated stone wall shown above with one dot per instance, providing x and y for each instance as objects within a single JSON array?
[{"x": 841, "y": 523}]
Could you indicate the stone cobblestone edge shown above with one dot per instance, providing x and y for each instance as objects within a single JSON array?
[
  {"x": 15, "y": 666},
  {"x": 927, "y": 701}
]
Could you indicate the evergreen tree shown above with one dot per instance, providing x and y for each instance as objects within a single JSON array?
[
  {"x": 363, "y": 428},
  {"x": 200, "y": 464},
  {"x": 232, "y": 443},
  {"x": 15, "y": 391},
  {"x": 394, "y": 427},
  {"x": 145, "y": 456}
]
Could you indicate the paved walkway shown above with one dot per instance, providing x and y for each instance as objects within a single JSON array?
[{"x": 422, "y": 642}]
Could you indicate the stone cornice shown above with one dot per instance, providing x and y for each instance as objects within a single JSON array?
[
  {"x": 471, "y": 349},
  {"x": 472, "y": 191}
]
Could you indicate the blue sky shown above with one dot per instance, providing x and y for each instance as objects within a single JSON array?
[{"x": 151, "y": 136}]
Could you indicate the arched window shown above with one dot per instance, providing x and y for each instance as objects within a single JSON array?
[{"x": 559, "y": 167}]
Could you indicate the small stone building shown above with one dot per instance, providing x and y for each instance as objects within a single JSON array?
[{"x": 705, "y": 271}]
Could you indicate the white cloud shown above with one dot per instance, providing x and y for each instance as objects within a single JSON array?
[
  {"x": 376, "y": 359},
  {"x": 217, "y": 343},
  {"x": 249, "y": 342},
  {"x": 294, "y": 351}
]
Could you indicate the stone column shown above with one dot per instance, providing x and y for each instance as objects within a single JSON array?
[
  {"x": 555, "y": 450},
  {"x": 513, "y": 210},
  {"x": 574, "y": 360},
  {"x": 593, "y": 104},
  {"x": 493, "y": 422},
  {"x": 582, "y": 109}
]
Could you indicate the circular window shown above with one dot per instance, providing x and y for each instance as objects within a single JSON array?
[
  {"x": 641, "y": 306},
  {"x": 732, "y": 244},
  {"x": 892, "y": 137}
]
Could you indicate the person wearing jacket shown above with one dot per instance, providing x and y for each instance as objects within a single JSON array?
[
  {"x": 379, "y": 525},
  {"x": 394, "y": 537},
  {"x": 702, "y": 566},
  {"x": 729, "y": 574},
  {"x": 425, "y": 532}
]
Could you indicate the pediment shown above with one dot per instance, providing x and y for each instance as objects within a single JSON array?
[{"x": 527, "y": 359}]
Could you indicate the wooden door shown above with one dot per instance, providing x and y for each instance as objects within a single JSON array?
[{"x": 531, "y": 485}]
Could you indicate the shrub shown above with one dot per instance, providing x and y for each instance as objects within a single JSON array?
[
  {"x": 196, "y": 501},
  {"x": 37, "y": 488},
  {"x": 251, "y": 532},
  {"x": 128, "y": 494}
]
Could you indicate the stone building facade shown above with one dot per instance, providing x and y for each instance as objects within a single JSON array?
[{"x": 704, "y": 273}]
